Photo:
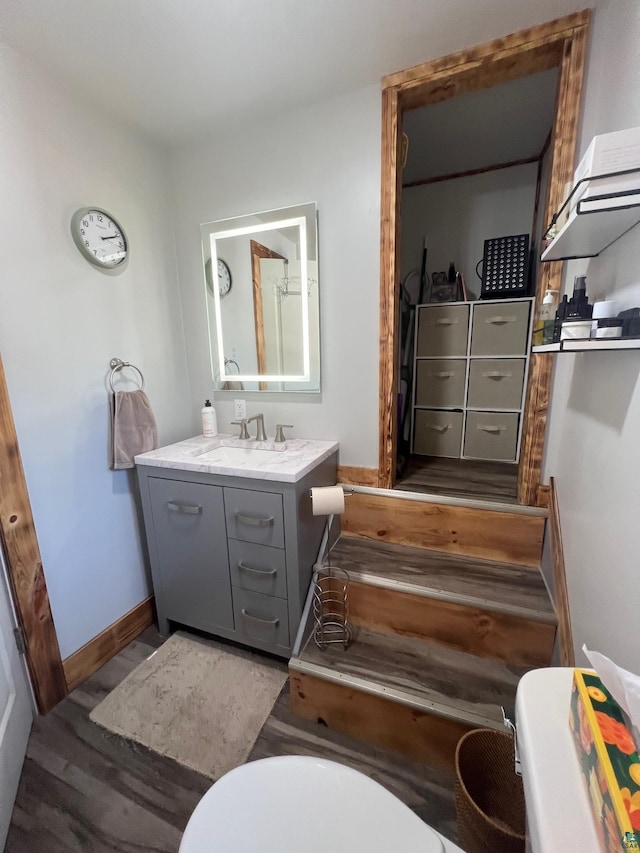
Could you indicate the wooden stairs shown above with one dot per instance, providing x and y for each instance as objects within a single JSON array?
[{"x": 442, "y": 631}]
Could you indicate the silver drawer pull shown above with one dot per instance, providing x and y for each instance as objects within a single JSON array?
[
  {"x": 491, "y": 428},
  {"x": 444, "y": 321},
  {"x": 499, "y": 320},
  {"x": 495, "y": 374},
  {"x": 439, "y": 427},
  {"x": 444, "y": 374},
  {"x": 245, "y": 568},
  {"x": 189, "y": 509},
  {"x": 255, "y": 521},
  {"x": 273, "y": 622}
]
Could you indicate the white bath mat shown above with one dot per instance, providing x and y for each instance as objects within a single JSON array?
[{"x": 195, "y": 701}]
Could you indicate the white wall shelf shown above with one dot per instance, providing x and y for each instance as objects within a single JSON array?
[
  {"x": 596, "y": 221},
  {"x": 590, "y": 345}
]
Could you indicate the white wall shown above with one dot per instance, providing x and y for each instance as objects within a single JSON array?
[
  {"x": 328, "y": 153},
  {"x": 593, "y": 445},
  {"x": 61, "y": 321},
  {"x": 457, "y": 216}
]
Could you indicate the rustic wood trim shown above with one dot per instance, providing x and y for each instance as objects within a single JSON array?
[
  {"x": 558, "y": 43},
  {"x": 416, "y": 733},
  {"x": 355, "y": 476},
  {"x": 565, "y": 137},
  {"x": 94, "y": 654},
  {"x": 27, "y": 582},
  {"x": 565, "y": 636},
  {"x": 506, "y": 537},
  {"x": 496, "y": 167},
  {"x": 389, "y": 286},
  {"x": 543, "y": 495},
  {"x": 259, "y": 251},
  {"x": 487, "y": 633},
  {"x": 512, "y": 43}
]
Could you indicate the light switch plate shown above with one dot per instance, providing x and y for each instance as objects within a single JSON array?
[{"x": 239, "y": 409}]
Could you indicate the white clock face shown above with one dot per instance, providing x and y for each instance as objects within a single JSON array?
[
  {"x": 99, "y": 237},
  {"x": 224, "y": 278}
]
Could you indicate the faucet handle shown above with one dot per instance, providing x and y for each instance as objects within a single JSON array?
[
  {"x": 244, "y": 432},
  {"x": 280, "y": 436}
]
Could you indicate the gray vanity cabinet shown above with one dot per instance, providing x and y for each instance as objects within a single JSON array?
[
  {"x": 232, "y": 556},
  {"x": 191, "y": 575}
]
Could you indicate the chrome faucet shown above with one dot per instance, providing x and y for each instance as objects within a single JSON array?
[
  {"x": 260, "y": 433},
  {"x": 244, "y": 432}
]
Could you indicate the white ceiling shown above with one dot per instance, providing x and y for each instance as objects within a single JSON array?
[
  {"x": 507, "y": 122},
  {"x": 177, "y": 67}
]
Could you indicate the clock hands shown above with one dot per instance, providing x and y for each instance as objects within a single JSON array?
[{"x": 113, "y": 237}]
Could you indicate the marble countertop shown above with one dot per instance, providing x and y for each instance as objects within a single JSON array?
[{"x": 287, "y": 461}]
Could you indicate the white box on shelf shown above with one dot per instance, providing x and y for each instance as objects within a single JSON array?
[{"x": 609, "y": 152}]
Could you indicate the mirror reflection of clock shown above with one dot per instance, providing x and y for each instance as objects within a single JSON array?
[{"x": 224, "y": 277}]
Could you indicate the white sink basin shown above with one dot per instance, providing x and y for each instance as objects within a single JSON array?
[{"x": 232, "y": 455}]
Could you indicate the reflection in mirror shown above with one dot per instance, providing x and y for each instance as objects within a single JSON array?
[{"x": 264, "y": 330}]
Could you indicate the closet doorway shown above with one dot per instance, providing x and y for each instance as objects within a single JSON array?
[{"x": 547, "y": 60}]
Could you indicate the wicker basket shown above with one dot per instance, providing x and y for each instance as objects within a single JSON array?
[{"x": 489, "y": 796}]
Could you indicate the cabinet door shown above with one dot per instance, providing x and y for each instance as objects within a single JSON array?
[
  {"x": 443, "y": 330},
  {"x": 440, "y": 382},
  {"x": 193, "y": 563},
  {"x": 500, "y": 328},
  {"x": 437, "y": 433}
]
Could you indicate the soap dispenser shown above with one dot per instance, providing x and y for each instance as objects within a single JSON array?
[{"x": 209, "y": 421}]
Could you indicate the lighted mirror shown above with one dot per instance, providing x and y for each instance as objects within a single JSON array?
[{"x": 261, "y": 277}]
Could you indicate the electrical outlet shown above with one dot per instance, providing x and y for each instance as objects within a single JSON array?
[{"x": 239, "y": 409}]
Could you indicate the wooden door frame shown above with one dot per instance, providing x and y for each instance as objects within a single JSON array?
[
  {"x": 27, "y": 584},
  {"x": 558, "y": 44},
  {"x": 258, "y": 251}
]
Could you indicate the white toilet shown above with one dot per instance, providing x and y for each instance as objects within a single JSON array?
[{"x": 294, "y": 803}]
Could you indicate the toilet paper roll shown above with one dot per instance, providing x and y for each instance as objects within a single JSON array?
[{"x": 327, "y": 500}]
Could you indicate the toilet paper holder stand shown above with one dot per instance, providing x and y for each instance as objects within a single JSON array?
[{"x": 330, "y": 597}]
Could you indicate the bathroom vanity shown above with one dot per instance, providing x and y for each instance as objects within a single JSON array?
[{"x": 231, "y": 535}]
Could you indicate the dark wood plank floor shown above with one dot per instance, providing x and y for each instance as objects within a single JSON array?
[
  {"x": 461, "y": 478},
  {"x": 83, "y": 789}
]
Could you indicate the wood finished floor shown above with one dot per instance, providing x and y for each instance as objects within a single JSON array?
[
  {"x": 473, "y": 687},
  {"x": 83, "y": 789},
  {"x": 461, "y": 478},
  {"x": 468, "y": 578}
]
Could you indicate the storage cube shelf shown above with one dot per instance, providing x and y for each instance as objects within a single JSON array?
[{"x": 470, "y": 370}]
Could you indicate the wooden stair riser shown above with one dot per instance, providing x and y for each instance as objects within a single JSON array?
[
  {"x": 514, "y": 639},
  {"x": 415, "y": 733},
  {"x": 488, "y": 534}
]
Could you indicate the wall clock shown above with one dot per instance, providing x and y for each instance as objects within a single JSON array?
[
  {"x": 100, "y": 238},
  {"x": 224, "y": 277}
]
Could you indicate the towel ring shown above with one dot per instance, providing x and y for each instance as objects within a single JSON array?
[
  {"x": 228, "y": 361},
  {"x": 116, "y": 364}
]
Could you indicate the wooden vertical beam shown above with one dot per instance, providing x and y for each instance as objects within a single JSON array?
[
  {"x": 24, "y": 566},
  {"x": 389, "y": 286},
  {"x": 565, "y": 137}
]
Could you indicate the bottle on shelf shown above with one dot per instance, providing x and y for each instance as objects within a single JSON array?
[{"x": 545, "y": 321}]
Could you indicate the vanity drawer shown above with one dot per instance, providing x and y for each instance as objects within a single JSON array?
[
  {"x": 437, "y": 433},
  {"x": 440, "y": 382},
  {"x": 261, "y": 619},
  {"x": 500, "y": 329},
  {"x": 491, "y": 435},
  {"x": 495, "y": 383},
  {"x": 442, "y": 330},
  {"x": 258, "y": 568},
  {"x": 254, "y": 516}
]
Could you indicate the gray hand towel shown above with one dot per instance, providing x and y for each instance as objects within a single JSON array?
[{"x": 133, "y": 427}]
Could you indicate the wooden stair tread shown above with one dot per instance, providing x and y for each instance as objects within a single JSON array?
[
  {"x": 419, "y": 673},
  {"x": 503, "y": 587}
]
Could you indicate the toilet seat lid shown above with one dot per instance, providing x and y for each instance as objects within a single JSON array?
[{"x": 289, "y": 803}]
